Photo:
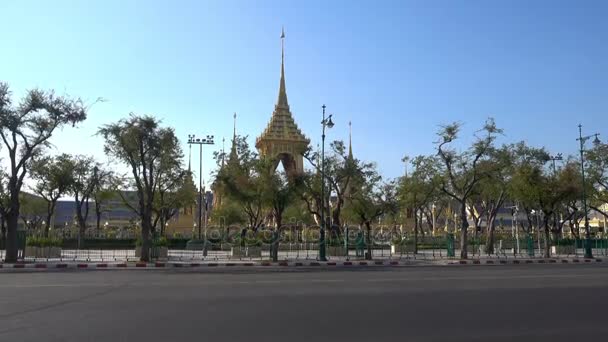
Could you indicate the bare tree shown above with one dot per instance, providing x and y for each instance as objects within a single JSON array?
[
  {"x": 54, "y": 177},
  {"x": 461, "y": 169},
  {"x": 141, "y": 143},
  {"x": 25, "y": 130}
]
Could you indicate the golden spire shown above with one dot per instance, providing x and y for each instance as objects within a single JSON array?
[
  {"x": 233, "y": 150},
  {"x": 189, "y": 157},
  {"x": 223, "y": 151},
  {"x": 282, "y": 100},
  {"x": 350, "y": 140},
  {"x": 234, "y": 128}
]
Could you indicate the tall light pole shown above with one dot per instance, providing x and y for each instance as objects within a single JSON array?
[
  {"x": 554, "y": 159},
  {"x": 193, "y": 140},
  {"x": 582, "y": 139},
  {"x": 329, "y": 124}
]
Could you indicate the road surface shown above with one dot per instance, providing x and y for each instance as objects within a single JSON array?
[{"x": 479, "y": 303}]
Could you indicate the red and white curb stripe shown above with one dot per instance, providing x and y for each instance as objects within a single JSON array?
[
  {"x": 141, "y": 265},
  {"x": 525, "y": 261},
  {"x": 282, "y": 264}
]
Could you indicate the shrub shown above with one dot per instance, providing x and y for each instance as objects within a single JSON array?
[
  {"x": 161, "y": 242},
  {"x": 248, "y": 241},
  {"x": 34, "y": 241}
]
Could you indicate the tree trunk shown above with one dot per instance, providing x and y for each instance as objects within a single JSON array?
[
  {"x": 368, "y": 256},
  {"x": 421, "y": 226},
  {"x": 97, "y": 215},
  {"x": 278, "y": 218},
  {"x": 415, "y": 233},
  {"x": 81, "y": 220},
  {"x": 98, "y": 221},
  {"x": 556, "y": 234},
  {"x": 81, "y": 233},
  {"x": 2, "y": 231},
  {"x": 12, "y": 221},
  {"x": 336, "y": 215},
  {"x": 145, "y": 237},
  {"x": 476, "y": 223},
  {"x": 47, "y": 225},
  {"x": 547, "y": 237},
  {"x": 464, "y": 233},
  {"x": 49, "y": 216},
  {"x": 163, "y": 220},
  {"x": 490, "y": 239}
]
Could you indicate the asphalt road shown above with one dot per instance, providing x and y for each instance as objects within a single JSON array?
[{"x": 482, "y": 303}]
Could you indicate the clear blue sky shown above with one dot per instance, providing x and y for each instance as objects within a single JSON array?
[{"x": 396, "y": 69}]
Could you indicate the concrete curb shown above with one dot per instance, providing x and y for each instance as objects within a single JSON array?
[{"x": 286, "y": 264}]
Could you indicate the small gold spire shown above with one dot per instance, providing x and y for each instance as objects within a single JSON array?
[
  {"x": 233, "y": 150},
  {"x": 223, "y": 150},
  {"x": 234, "y": 127},
  {"x": 350, "y": 140},
  {"x": 282, "y": 100}
]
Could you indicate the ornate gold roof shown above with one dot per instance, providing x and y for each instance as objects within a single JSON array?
[{"x": 282, "y": 126}]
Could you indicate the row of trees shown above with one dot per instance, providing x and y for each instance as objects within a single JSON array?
[
  {"x": 475, "y": 182},
  {"x": 157, "y": 178},
  {"x": 481, "y": 179}
]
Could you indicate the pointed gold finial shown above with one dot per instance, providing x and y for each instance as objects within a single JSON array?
[
  {"x": 233, "y": 151},
  {"x": 234, "y": 127},
  {"x": 282, "y": 100},
  {"x": 223, "y": 151},
  {"x": 350, "y": 140}
]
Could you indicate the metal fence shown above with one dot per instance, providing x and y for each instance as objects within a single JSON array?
[{"x": 427, "y": 248}]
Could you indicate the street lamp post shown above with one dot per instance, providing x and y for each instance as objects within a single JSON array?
[
  {"x": 329, "y": 124},
  {"x": 582, "y": 139},
  {"x": 514, "y": 227},
  {"x": 200, "y": 142}
]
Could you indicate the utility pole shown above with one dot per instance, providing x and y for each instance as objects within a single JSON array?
[
  {"x": 192, "y": 139},
  {"x": 326, "y": 122},
  {"x": 582, "y": 140}
]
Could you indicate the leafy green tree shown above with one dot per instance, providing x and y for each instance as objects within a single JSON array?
[
  {"x": 462, "y": 171},
  {"x": 570, "y": 189},
  {"x": 375, "y": 199},
  {"x": 525, "y": 159},
  {"x": 310, "y": 193},
  {"x": 244, "y": 182},
  {"x": 25, "y": 130},
  {"x": 280, "y": 193},
  {"x": 54, "y": 178},
  {"x": 597, "y": 170},
  {"x": 343, "y": 175},
  {"x": 538, "y": 189},
  {"x": 91, "y": 181},
  {"x": 492, "y": 190},
  {"x": 417, "y": 189},
  {"x": 228, "y": 214},
  {"x": 85, "y": 174},
  {"x": 176, "y": 190},
  {"x": 33, "y": 211},
  {"x": 147, "y": 148},
  {"x": 104, "y": 191},
  {"x": 297, "y": 212}
]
